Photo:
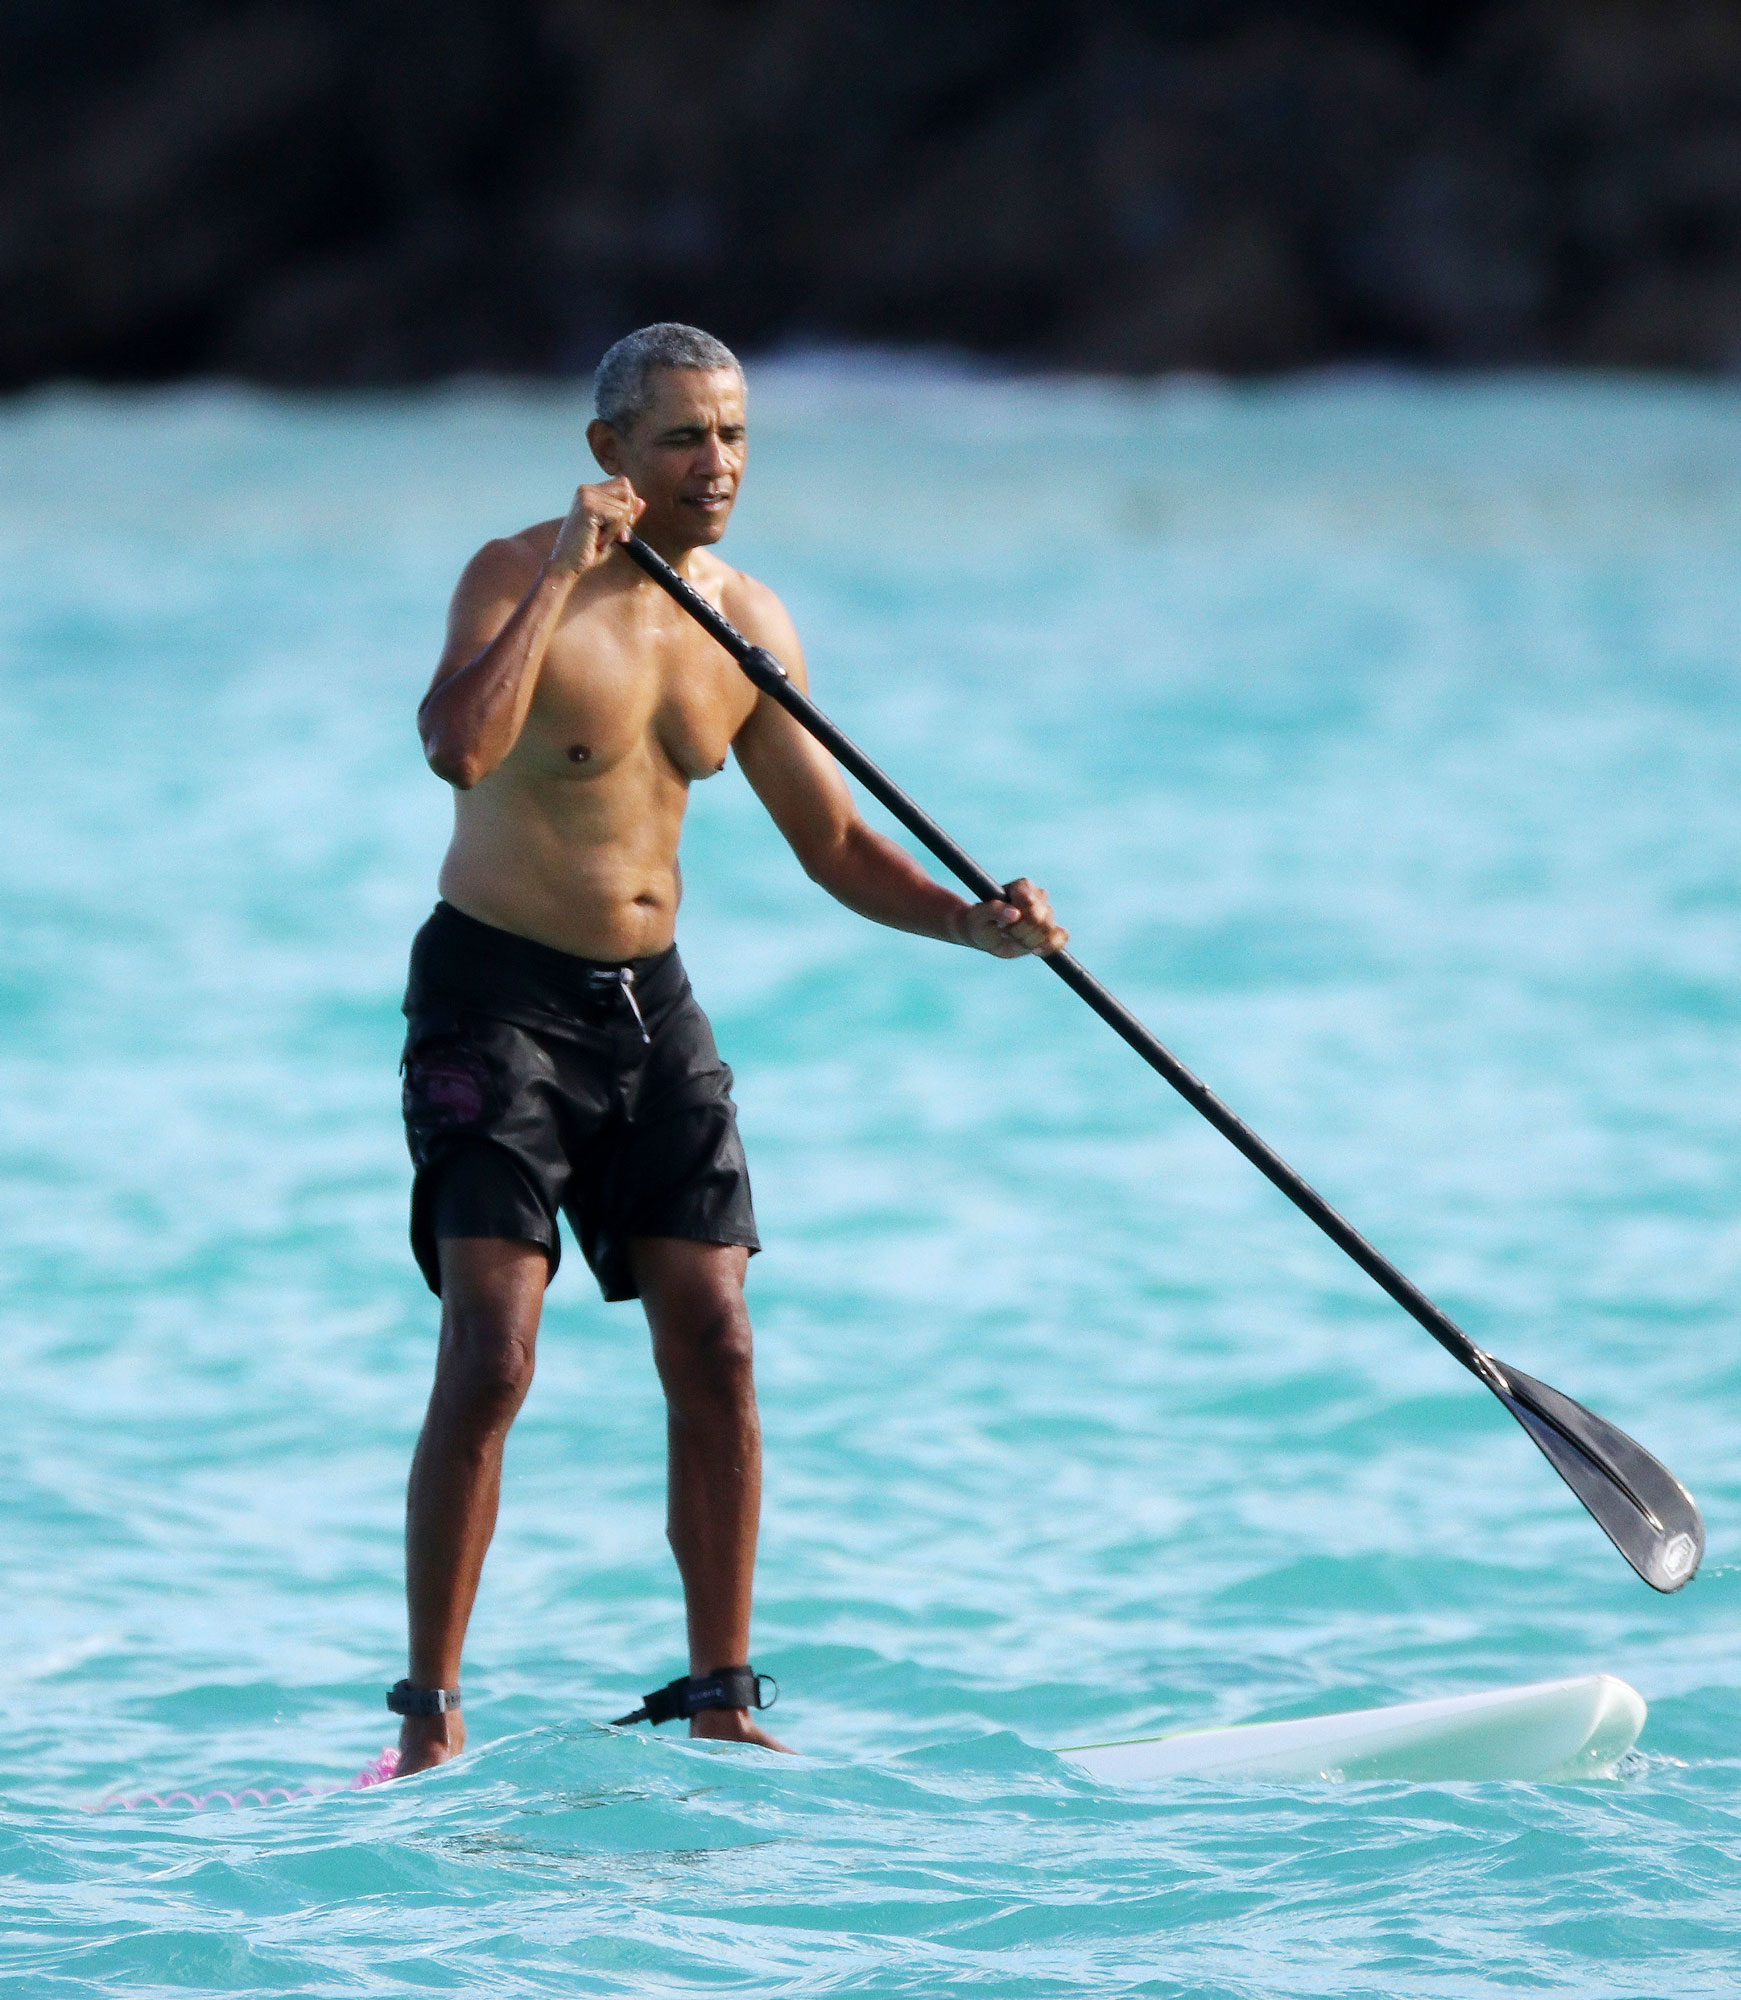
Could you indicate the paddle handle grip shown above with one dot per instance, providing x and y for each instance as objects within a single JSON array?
[{"x": 773, "y": 680}]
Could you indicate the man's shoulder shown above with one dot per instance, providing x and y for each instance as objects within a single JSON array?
[
  {"x": 510, "y": 562},
  {"x": 748, "y": 602}
]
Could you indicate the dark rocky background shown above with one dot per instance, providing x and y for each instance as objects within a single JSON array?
[{"x": 310, "y": 192}]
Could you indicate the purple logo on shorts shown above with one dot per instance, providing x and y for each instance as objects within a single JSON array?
[{"x": 448, "y": 1089}]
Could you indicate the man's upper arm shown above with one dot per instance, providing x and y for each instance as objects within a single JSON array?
[
  {"x": 789, "y": 771},
  {"x": 490, "y": 587}
]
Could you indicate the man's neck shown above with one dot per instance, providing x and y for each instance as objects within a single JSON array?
[{"x": 679, "y": 554}]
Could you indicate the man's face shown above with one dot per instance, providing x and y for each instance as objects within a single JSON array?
[{"x": 684, "y": 455}]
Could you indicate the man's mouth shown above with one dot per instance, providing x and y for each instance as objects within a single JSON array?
[{"x": 711, "y": 501}]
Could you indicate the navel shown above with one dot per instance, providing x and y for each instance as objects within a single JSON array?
[{"x": 578, "y": 753}]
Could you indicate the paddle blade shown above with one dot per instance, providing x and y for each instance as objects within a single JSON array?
[{"x": 1640, "y": 1505}]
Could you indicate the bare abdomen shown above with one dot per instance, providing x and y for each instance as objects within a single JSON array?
[{"x": 587, "y": 867}]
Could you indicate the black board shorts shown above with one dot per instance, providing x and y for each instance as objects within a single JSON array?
[{"x": 539, "y": 1083}]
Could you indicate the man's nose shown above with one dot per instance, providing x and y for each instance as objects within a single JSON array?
[{"x": 711, "y": 453}]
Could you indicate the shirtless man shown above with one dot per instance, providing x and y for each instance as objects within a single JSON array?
[{"x": 556, "y": 1058}]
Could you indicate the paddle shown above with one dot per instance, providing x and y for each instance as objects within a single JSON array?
[{"x": 1638, "y": 1503}]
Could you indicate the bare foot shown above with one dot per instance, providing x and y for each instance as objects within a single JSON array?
[
  {"x": 426, "y": 1740},
  {"x": 733, "y": 1725}
]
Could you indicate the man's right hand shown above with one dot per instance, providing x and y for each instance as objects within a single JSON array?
[
  {"x": 476, "y": 706},
  {"x": 601, "y": 517}
]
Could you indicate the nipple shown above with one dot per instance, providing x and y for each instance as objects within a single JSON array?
[{"x": 578, "y": 753}]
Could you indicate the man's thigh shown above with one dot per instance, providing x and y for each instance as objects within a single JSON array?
[{"x": 492, "y": 1288}]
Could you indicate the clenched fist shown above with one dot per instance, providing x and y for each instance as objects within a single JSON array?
[
  {"x": 1015, "y": 925},
  {"x": 601, "y": 516}
]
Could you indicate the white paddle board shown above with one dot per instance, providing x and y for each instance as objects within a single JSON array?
[{"x": 1548, "y": 1730}]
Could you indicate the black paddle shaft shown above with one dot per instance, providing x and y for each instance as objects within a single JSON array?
[
  {"x": 1637, "y": 1502},
  {"x": 772, "y": 679}
]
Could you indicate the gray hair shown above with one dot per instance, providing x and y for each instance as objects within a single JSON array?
[{"x": 619, "y": 387}]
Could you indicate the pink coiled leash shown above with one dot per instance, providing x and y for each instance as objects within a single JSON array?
[{"x": 376, "y": 1772}]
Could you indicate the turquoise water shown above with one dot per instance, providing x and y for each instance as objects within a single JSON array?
[{"x": 1381, "y": 743}]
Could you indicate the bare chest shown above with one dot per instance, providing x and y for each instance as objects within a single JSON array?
[{"x": 608, "y": 694}]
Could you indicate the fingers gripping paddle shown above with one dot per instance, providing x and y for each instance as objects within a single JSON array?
[{"x": 1641, "y": 1507}]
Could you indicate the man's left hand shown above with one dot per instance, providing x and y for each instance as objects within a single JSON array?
[{"x": 1018, "y": 924}]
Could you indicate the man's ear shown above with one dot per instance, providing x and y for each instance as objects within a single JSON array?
[{"x": 606, "y": 447}]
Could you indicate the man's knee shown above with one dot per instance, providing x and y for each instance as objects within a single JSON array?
[
  {"x": 707, "y": 1356},
  {"x": 694, "y": 1296},
  {"x": 489, "y": 1333},
  {"x": 485, "y": 1369}
]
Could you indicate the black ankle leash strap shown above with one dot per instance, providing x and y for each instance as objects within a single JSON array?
[
  {"x": 728, "y": 1687},
  {"x": 404, "y": 1699}
]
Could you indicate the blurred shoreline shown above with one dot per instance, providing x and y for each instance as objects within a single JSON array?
[{"x": 795, "y": 372}]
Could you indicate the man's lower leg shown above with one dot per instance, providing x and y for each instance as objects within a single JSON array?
[
  {"x": 492, "y": 1293},
  {"x": 704, "y": 1351}
]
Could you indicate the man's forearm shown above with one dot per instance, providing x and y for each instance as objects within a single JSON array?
[
  {"x": 472, "y": 719},
  {"x": 875, "y": 878}
]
